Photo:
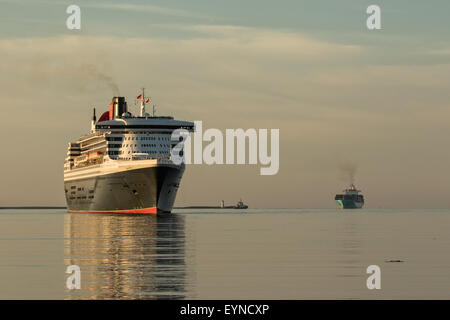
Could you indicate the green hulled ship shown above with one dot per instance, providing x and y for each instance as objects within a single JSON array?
[{"x": 351, "y": 199}]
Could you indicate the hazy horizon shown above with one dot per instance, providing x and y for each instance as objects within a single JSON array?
[{"x": 344, "y": 98}]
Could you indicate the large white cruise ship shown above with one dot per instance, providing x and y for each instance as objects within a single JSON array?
[{"x": 124, "y": 164}]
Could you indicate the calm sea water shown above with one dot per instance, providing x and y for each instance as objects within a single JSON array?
[{"x": 226, "y": 254}]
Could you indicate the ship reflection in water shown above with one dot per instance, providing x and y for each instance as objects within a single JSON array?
[{"x": 126, "y": 256}]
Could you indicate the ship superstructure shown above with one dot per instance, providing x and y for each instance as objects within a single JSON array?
[
  {"x": 124, "y": 164},
  {"x": 351, "y": 199}
]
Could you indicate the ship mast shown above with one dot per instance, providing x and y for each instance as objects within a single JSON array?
[{"x": 143, "y": 103}]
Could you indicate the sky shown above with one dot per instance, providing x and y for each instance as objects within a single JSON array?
[{"x": 341, "y": 95}]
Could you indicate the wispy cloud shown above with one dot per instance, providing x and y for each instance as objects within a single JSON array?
[
  {"x": 125, "y": 6},
  {"x": 265, "y": 41},
  {"x": 149, "y": 8}
]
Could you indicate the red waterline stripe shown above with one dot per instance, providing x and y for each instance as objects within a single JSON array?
[{"x": 153, "y": 210}]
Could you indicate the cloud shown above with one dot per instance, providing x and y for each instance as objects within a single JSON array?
[
  {"x": 125, "y": 6},
  {"x": 215, "y": 58},
  {"x": 269, "y": 41},
  {"x": 440, "y": 52},
  {"x": 147, "y": 8}
]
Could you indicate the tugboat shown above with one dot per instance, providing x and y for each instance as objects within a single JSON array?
[
  {"x": 351, "y": 199},
  {"x": 240, "y": 205}
]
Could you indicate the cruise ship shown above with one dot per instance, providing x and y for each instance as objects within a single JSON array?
[
  {"x": 124, "y": 164},
  {"x": 351, "y": 199}
]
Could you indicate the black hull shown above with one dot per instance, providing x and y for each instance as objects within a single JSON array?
[{"x": 145, "y": 190}]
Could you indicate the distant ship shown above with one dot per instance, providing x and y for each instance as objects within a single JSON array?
[
  {"x": 124, "y": 164},
  {"x": 351, "y": 199},
  {"x": 240, "y": 205}
]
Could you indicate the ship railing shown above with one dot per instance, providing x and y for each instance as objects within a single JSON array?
[
  {"x": 90, "y": 136},
  {"x": 144, "y": 157},
  {"x": 87, "y": 162}
]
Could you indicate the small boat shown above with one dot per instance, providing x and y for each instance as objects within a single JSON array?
[{"x": 240, "y": 205}]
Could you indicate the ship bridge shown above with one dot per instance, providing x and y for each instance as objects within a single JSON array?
[{"x": 147, "y": 123}]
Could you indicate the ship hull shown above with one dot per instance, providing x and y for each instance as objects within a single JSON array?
[
  {"x": 349, "y": 204},
  {"x": 147, "y": 190}
]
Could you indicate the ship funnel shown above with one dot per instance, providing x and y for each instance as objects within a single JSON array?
[{"x": 117, "y": 107}]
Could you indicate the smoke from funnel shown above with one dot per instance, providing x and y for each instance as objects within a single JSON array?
[
  {"x": 78, "y": 77},
  {"x": 348, "y": 172},
  {"x": 92, "y": 71}
]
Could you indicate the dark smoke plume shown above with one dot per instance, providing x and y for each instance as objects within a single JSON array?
[
  {"x": 93, "y": 71},
  {"x": 79, "y": 77},
  {"x": 348, "y": 172}
]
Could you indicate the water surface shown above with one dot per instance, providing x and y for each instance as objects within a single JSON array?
[{"x": 226, "y": 254}]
